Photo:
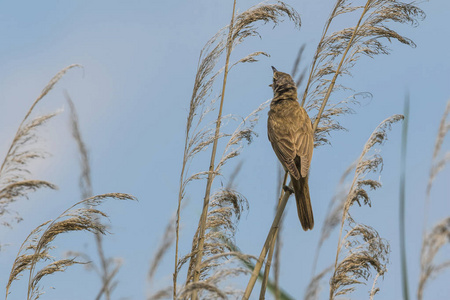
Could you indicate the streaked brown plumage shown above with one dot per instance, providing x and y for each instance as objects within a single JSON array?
[{"x": 290, "y": 131}]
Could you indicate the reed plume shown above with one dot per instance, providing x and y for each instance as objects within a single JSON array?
[
  {"x": 338, "y": 52},
  {"x": 14, "y": 172},
  {"x": 361, "y": 249},
  {"x": 36, "y": 248}
]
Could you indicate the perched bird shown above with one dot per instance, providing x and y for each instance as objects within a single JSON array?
[{"x": 290, "y": 132}]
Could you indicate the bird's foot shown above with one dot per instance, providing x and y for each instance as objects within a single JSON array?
[{"x": 288, "y": 189}]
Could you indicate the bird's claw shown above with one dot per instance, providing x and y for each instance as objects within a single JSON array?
[{"x": 288, "y": 189}]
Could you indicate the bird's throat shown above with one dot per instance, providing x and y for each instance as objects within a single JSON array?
[{"x": 289, "y": 94}]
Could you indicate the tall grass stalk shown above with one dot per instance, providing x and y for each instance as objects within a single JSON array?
[
  {"x": 278, "y": 244},
  {"x": 267, "y": 244},
  {"x": 401, "y": 219},
  {"x": 272, "y": 248},
  {"x": 202, "y": 222}
]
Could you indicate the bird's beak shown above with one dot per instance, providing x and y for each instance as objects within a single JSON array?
[
  {"x": 271, "y": 85},
  {"x": 274, "y": 70}
]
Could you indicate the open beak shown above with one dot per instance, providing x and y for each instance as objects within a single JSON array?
[{"x": 274, "y": 69}]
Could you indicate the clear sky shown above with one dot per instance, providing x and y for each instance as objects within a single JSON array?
[{"x": 140, "y": 60}]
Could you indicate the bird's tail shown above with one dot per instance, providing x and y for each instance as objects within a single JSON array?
[{"x": 304, "y": 208}]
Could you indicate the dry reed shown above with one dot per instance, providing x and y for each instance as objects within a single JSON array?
[
  {"x": 14, "y": 173},
  {"x": 81, "y": 216},
  {"x": 364, "y": 248}
]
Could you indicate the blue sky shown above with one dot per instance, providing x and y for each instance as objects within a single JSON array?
[{"x": 132, "y": 97}]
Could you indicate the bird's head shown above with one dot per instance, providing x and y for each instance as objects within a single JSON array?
[{"x": 283, "y": 84}]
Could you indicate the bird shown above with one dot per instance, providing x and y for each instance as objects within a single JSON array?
[{"x": 291, "y": 134}]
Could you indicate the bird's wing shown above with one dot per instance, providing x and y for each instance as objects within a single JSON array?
[
  {"x": 282, "y": 137},
  {"x": 291, "y": 135},
  {"x": 304, "y": 143}
]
